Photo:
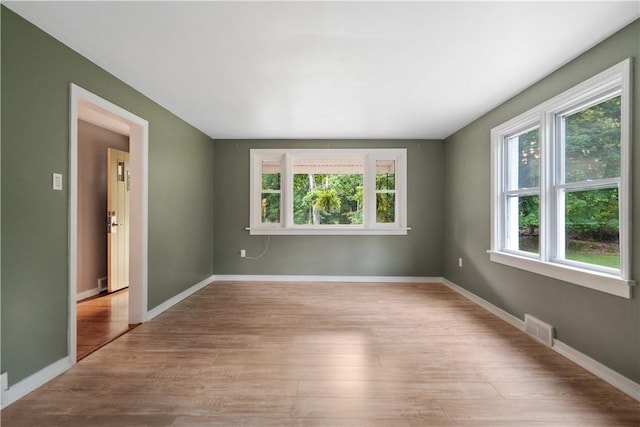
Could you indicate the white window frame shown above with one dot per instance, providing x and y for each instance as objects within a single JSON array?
[
  {"x": 512, "y": 220},
  {"x": 369, "y": 226},
  {"x": 550, "y": 260}
]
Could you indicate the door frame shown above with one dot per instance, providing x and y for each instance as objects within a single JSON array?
[{"x": 138, "y": 236}]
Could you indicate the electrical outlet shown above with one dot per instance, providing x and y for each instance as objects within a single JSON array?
[
  {"x": 460, "y": 262},
  {"x": 5, "y": 381},
  {"x": 243, "y": 253}
]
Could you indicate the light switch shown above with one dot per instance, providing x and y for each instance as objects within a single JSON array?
[{"x": 57, "y": 181}]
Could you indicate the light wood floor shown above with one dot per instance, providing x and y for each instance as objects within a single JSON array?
[
  {"x": 100, "y": 320},
  {"x": 325, "y": 354}
]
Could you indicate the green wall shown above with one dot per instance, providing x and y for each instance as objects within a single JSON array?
[
  {"x": 416, "y": 254},
  {"x": 36, "y": 73},
  {"x": 604, "y": 327},
  {"x": 448, "y": 184}
]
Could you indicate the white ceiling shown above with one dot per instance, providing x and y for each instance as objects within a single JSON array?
[{"x": 329, "y": 69}]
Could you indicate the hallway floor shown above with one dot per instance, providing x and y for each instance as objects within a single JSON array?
[{"x": 101, "y": 319}]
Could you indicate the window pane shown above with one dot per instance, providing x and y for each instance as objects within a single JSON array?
[
  {"x": 385, "y": 208},
  {"x": 270, "y": 207},
  {"x": 592, "y": 142},
  {"x": 523, "y": 223},
  {"x": 271, "y": 170},
  {"x": 592, "y": 227},
  {"x": 327, "y": 191},
  {"x": 524, "y": 160},
  {"x": 385, "y": 175}
]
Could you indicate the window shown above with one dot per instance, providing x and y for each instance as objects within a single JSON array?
[
  {"x": 522, "y": 192},
  {"x": 270, "y": 177},
  {"x": 561, "y": 186},
  {"x": 328, "y": 191}
]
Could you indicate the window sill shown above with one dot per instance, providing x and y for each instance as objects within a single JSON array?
[
  {"x": 603, "y": 282},
  {"x": 329, "y": 231}
]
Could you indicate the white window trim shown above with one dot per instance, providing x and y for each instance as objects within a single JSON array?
[
  {"x": 286, "y": 226},
  {"x": 605, "y": 280}
]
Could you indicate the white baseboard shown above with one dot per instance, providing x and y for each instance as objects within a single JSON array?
[
  {"x": 321, "y": 278},
  {"x": 620, "y": 382},
  {"x": 102, "y": 286},
  {"x": 176, "y": 299},
  {"x": 87, "y": 294},
  {"x": 507, "y": 317},
  {"x": 26, "y": 386},
  {"x": 617, "y": 380},
  {"x": 32, "y": 382}
]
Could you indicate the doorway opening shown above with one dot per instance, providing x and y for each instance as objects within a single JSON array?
[
  {"x": 104, "y": 318},
  {"x": 103, "y": 231},
  {"x": 101, "y": 319}
]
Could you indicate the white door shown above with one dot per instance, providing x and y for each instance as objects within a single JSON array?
[{"x": 118, "y": 185}]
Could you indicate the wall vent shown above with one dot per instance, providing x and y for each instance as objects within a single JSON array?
[{"x": 538, "y": 329}]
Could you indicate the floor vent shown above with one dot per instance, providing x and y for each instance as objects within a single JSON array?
[{"x": 543, "y": 332}]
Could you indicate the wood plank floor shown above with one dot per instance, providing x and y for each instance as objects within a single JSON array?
[
  {"x": 325, "y": 354},
  {"x": 100, "y": 320}
]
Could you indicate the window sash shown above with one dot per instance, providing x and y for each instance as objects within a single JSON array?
[
  {"x": 560, "y": 128},
  {"x": 511, "y": 223},
  {"x": 558, "y": 250},
  {"x": 560, "y": 186},
  {"x": 384, "y": 191}
]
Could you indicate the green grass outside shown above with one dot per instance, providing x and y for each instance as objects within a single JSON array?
[
  {"x": 587, "y": 252},
  {"x": 605, "y": 260}
]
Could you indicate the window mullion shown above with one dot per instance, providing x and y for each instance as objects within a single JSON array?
[
  {"x": 559, "y": 169},
  {"x": 546, "y": 185},
  {"x": 287, "y": 191},
  {"x": 369, "y": 191}
]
